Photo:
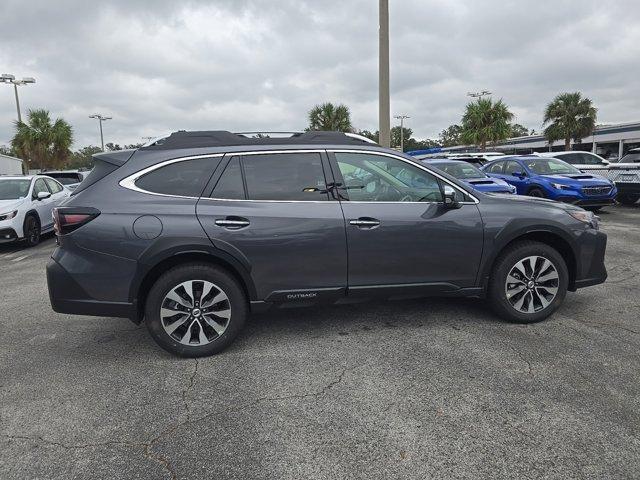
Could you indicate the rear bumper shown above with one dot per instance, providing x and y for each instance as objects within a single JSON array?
[{"x": 67, "y": 296}]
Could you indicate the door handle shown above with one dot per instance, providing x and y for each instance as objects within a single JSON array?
[
  {"x": 233, "y": 223},
  {"x": 365, "y": 222}
]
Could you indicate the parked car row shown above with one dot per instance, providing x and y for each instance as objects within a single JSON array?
[{"x": 589, "y": 191}]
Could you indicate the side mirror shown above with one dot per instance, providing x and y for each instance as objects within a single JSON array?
[
  {"x": 452, "y": 197},
  {"x": 605, "y": 162},
  {"x": 43, "y": 195}
]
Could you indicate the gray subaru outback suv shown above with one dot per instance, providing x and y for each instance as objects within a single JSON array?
[{"x": 193, "y": 232}]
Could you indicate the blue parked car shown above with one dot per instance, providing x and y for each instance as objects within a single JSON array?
[
  {"x": 472, "y": 175},
  {"x": 554, "y": 179}
]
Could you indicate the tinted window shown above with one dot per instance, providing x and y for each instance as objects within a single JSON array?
[
  {"x": 39, "y": 186},
  {"x": 186, "y": 178},
  {"x": 66, "y": 178},
  {"x": 580, "y": 159},
  {"x": 495, "y": 167},
  {"x": 285, "y": 176},
  {"x": 512, "y": 166},
  {"x": 631, "y": 158},
  {"x": 376, "y": 178},
  {"x": 230, "y": 183},
  {"x": 54, "y": 186}
]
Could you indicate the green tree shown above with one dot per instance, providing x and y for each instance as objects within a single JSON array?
[
  {"x": 330, "y": 117},
  {"x": 370, "y": 135},
  {"x": 518, "y": 130},
  {"x": 569, "y": 116},
  {"x": 486, "y": 121},
  {"x": 83, "y": 158},
  {"x": 450, "y": 136},
  {"x": 42, "y": 142},
  {"x": 7, "y": 150}
]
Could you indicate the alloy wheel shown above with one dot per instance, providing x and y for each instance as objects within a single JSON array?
[
  {"x": 532, "y": 284},
  {"x": 195, "y": 312}
]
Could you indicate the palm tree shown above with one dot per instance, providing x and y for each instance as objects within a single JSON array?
[
  {"x": 569, "y": 116},
  {"x": 43, "y": 143},
  {"x": 330, "y": 117},
  {"x": 486, "y": 121}
]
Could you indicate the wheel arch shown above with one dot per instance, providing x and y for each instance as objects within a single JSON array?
[
  {"x": 550, "y": 237},
  {"x": 162, "y": 263}
]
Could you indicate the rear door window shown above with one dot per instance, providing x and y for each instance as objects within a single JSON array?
[
  {"x": 185, "y": 178},
  {"x": 285, "y": 176}
]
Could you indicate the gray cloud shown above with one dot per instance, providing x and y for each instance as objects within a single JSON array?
[{"x": 158, "y": 66}]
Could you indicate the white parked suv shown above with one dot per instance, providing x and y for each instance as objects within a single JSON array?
[
  {"x": 26, "y": 203},
  {"x": 583, "y": 161}
]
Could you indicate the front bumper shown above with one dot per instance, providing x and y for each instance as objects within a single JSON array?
[
  {"x": 8, "y": 235},
  {"x": 590, "y": 269}
]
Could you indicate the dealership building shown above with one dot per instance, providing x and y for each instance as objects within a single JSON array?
[{"x": 609, "y": 141}]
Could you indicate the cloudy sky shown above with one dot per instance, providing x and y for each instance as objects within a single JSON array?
[{"x": 162, "y": 65}]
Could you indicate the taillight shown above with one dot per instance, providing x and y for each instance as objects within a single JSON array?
[{"x": 68, "y": 219}]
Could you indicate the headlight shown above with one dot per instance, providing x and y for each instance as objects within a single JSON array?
[
  {"x": 8, "y": 216},
  {"x": 559, "y": 186},
  {"x": 513, "y": 189},
  {"x": 585, "y": 217}
]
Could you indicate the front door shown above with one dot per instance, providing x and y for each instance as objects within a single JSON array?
[
  {"x": 399, "y": 232},
  {"x": 272, "y": 212}
]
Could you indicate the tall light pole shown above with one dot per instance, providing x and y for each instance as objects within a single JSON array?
[
  {"x": 8, "y": 78},
  {"x": 101, "y": 118},
  {"x": 478, "y": 94},
  {"x": 401, "y": 118},
  {"x": 384, "y": 109}
]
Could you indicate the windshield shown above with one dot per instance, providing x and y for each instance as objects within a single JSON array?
[
  {"x": 13, "y": 188},
  {"x": 550, "y": 166},
  {"x": 460, "y": 170},
  {"x": 630, "y": 158}
]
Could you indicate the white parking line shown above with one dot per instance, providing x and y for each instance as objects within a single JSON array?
[{"x": 20, "y": 258}]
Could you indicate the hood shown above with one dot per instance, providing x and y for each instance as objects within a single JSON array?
[
  {"x": 10, "y": 205},
  {"x": 579, "y": 179},
  {"x": 539, "y": 201}
]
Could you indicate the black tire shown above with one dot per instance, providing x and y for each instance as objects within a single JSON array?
[
  {"x": 627, "y": 199},
  {"x": 237, "y": 303},
  {"x": 593, "y": 209},
  {"x": 497, "y": 295},
  {"x": 31, "y": 232},
  {"x": 536, "y": 192}
]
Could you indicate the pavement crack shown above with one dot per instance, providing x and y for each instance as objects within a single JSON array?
[
  {"x": 522, "y": 357},
  {"x": 192, "y": 380}
]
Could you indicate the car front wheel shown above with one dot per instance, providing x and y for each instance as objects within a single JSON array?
[
  {"x": 31, "y": 231},
  {"x": 528, "y": 283},
  {"x": 195, "y": 310}
]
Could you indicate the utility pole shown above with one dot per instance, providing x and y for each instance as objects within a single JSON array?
[
  {"x": 100, "y": 118},
  {"x": 384, "y": 109},
  {"x": 401, "y": 118},
  {"x": 8, "y": 78}
]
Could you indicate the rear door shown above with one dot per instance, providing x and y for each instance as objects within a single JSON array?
[
  {"x": 273, "y": 211},
  {"x": 400, "y": 235}
]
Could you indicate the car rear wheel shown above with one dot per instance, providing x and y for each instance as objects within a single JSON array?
[
  {"x": 195, "y": 310},
  {"x": 528, "y": 283},
  {"x": 31, "y": 231},
  {"x": 536, "y": 192}
]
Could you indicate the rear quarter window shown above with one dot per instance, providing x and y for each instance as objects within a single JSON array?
[{"x": 185, "y": 178}]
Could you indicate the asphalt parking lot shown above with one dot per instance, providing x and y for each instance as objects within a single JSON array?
[{"x": 429, "y": 388}]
